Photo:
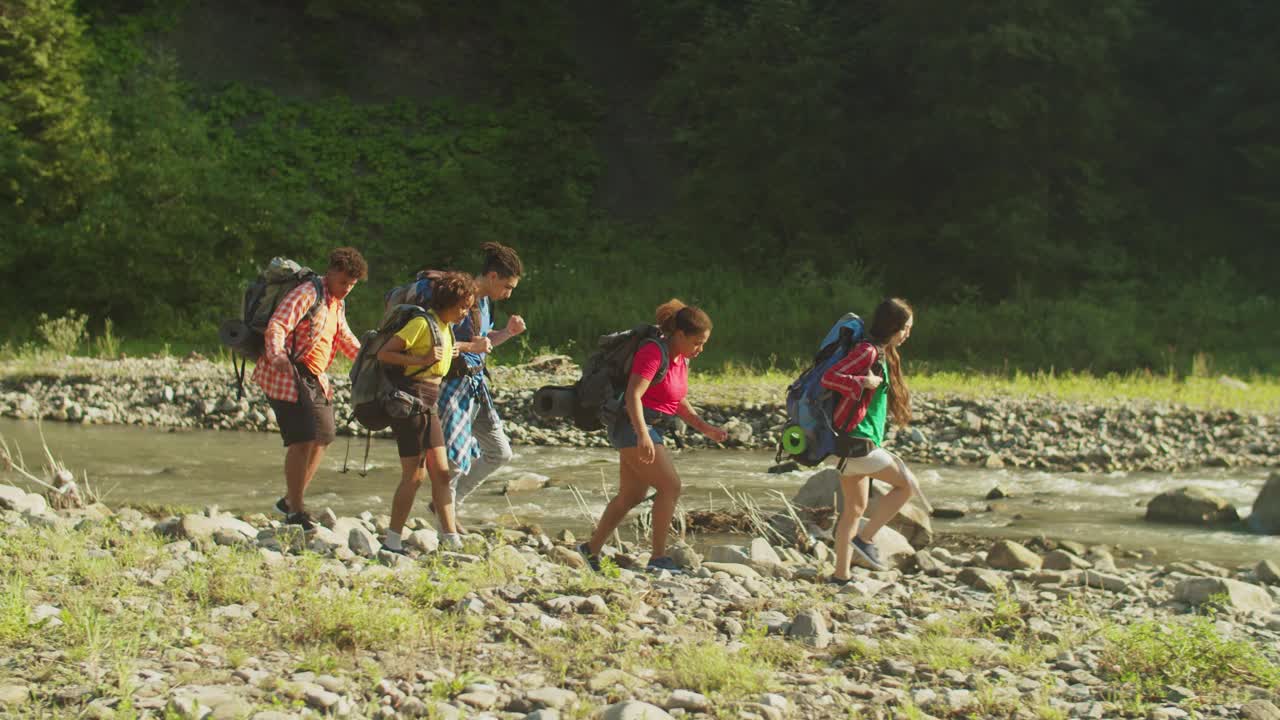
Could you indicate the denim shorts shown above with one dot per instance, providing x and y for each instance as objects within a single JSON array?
[{"x": 622, "y": 435}]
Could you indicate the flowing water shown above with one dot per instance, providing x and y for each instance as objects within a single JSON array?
[{"x": 242, "y": 472}]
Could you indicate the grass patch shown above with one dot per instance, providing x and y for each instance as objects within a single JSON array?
[
  {"x": 1146, "y": 656},
  {"x": 15, "y": 613},
  {"x": 710, "y": 669}
]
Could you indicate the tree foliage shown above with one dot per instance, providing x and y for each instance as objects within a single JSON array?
[{"x": 1085, "y": 184}]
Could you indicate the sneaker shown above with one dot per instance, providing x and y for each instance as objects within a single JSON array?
[
  {"x": 302, "y": 519},
  {"x": 664, "y": 563},
  {"x": 282, "y": 506},
  {"x": 593, "y": 561},
  {"x": 451, "y": 541},
  {"x": 838, "y": 582},
  {"x": 395, "y": 551},
  {"x": 868, "y": 552}
]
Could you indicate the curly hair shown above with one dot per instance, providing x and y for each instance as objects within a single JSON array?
[
  {"x": 350, "y": 261},
  {"x": 501, "y": 259},
  {"x": 450, "y": 289},
  {"x": 674, "y": 315}
]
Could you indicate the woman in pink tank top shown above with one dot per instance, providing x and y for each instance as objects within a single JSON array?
[{"x": 643, "y": 460}]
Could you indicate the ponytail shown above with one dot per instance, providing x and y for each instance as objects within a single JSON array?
[{"x": 673, "y": 315}]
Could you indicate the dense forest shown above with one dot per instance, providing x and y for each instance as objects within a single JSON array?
[{"x": 1088, "y": 185}]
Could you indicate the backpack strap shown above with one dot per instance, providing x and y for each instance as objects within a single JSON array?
[
  {"x": 663, "y": 364},
  {"x": 437, "y": 339}
]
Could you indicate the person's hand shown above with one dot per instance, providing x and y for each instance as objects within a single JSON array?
[
  {"x": 717, "y": 434},
  {"x": 871, "y": 382},
  {"x": 647, "y": 451},
  {"x": 457, "y": 349},
  {"x": 282, "y": 363},
  {"x": 515, "y": 325},
  {"x": 436, "y": 355},
  {"x": 481, "y": 345}
]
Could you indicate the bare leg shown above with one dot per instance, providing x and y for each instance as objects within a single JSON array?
[
  {"x": 890, "y": 504},
  {"x": 297, "y": 472},
  {"x": 631, "y": 491},
  {"x": 855, "y": 489},
  {"x": 441, "y": 491},
  {"x": 661, "y": 476},
  {"x": 411, "y": 474}
]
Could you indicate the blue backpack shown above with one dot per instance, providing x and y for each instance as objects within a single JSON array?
[{"x": 810, "y": 435}]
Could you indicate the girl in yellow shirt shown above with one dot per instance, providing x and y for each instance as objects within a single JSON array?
[{"x": 424, "y": 350}]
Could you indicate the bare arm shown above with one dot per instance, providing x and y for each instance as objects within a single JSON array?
[{"x": 393, "y": 354}]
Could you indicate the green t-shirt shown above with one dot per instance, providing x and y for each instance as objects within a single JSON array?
[{"x": 872, "y": 425}]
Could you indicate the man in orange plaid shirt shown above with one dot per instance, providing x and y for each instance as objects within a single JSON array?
[{"x": 306, "y": 330}]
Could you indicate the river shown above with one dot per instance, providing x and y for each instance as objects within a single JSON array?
[{"x": 242, "y": 472}]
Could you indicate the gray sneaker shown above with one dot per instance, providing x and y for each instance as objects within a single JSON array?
[
  {"x": 659, "y": 564},
  {"x": 868, "y": 552}
]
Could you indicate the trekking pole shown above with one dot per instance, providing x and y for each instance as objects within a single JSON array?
[
  {"x": 346, "y": 456},
  {"x": 368, "y": 441}
]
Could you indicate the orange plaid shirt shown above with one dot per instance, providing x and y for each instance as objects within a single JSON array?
[{"x": 288, "y": 323}]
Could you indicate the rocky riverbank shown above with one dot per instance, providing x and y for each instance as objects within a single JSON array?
[
  {"x": 107, "y": 614},
  {"x": 992, "y": 432}
]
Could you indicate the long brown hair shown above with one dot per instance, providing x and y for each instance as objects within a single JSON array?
[
  {"x": 674, "y": 315},
  {"x": 890, "y": 317}
]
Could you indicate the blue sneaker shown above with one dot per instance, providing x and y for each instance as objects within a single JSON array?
[
  {"x": 868, "y": 552},
  {"x": 593, "y": 561},
  {"x": 659, "y": 564}
]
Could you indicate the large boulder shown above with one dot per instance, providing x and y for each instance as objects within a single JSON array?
[
  {"x": 1238, "y": 595},
  {"x": 1265, "y": 517},
  {"x": 1009, "y": 555},
  {"x": 1191, "y": 506},
  {"x": 822, "y": 490}
]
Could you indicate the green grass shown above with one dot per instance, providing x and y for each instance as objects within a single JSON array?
[
  {"x": 1146, "y": 656},
  {"x": 710, "y": 669}
]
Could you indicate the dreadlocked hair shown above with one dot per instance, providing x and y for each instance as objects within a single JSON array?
[{"x": 501, "y": 259}]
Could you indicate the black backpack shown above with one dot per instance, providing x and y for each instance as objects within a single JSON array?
[
  {"x": 245, "y": 335},
  {"x": 596, "y": 400}
]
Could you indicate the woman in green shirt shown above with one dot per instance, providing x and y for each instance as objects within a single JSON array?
[{"x": 870, "y": 380}]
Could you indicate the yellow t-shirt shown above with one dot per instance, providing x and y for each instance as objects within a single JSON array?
[{"x": 417, "y": 341}]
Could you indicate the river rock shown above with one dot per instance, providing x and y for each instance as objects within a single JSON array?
[
  {"x": 1009, "y": 555},
  {"x": 1191, "y": 506},
  {"x": 19, "y": 500},
  {"x": 732, "y": 569},
  {"x": 894, "y": 549},
  {"x": 525, "y": 482},
  {"x": 1259, "y": 710},
  {"x": 634, "y": 710},
  {"x": 223, "y": 703},
  {"x": 1063, "y": 560},
  {"x": 911, "y": 520},
  {"x": 687, "y": 700},
  {"x": 1265, "y": 517},
  {"x": 14, "y": 695},
  {"x": 1239, "y": 595},
  {"x": 735, "y": 554},
  {"x": 1267, "y": 571},
  {"x": 982, "y": 579},
  {"x": 810, "y": 628},
  {"x": 362, "y": 542},
  {"x": 822, "y": 489}
]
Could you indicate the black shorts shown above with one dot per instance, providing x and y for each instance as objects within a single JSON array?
[
  {"x": 308, "y": 420},
  {"x": 419, "y": 433},
  {"x": 853, "y": 447}
]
